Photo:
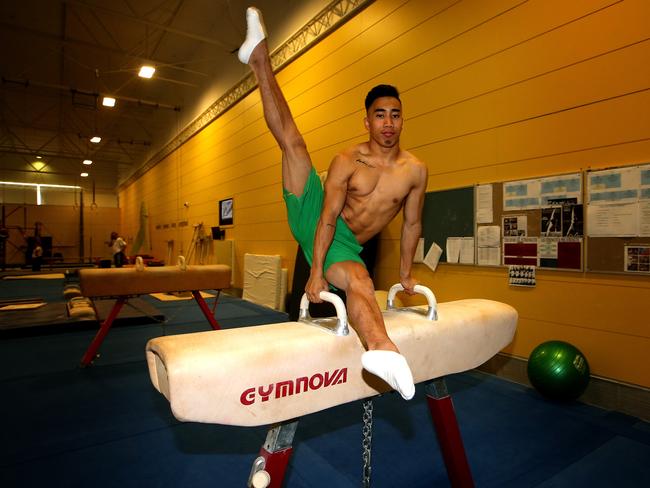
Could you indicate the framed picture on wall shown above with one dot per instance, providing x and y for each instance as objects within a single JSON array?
[{"x": 225, "y": 212}]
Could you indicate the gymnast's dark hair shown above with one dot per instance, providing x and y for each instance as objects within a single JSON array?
[{"x": 381, "y": 91}]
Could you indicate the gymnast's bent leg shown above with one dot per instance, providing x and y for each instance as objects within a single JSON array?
[{"x": 383, "y": 359}]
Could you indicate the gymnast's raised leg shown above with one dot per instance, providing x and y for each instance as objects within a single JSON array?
[{"x": 382, "y": 359}]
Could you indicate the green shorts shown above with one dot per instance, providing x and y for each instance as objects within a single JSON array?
[{"x": 303, "y": 213}]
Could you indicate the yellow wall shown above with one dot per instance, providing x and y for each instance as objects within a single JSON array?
[{"x": 492, "y": 91}]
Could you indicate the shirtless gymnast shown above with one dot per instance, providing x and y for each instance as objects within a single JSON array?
[{"x": 366, "y": 187}]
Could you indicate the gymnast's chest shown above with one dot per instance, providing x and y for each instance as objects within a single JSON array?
[{"x": 378, "y": 184}]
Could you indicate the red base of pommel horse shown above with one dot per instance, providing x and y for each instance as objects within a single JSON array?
[
  {"x": 291, "y": 369},
  {"x": 123, "y": 283}
]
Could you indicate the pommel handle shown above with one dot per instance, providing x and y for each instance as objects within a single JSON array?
[
  {"x": 432, "y": 311},
  {"x": 341, "y": 314},
  {"x": 181, "y": 263},
  {"x": 139, "y": 263}
]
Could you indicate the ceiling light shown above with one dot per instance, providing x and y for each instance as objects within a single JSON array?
[
  {"x": 39, "y": 157},
  {"x": 83, "y": 175},
  {"x": 88, "y": 162},
  {"x": 146, "y": 71},
  {"x": 17, "y": 183},
  {"x": 38, "y": 165},
  {"x": 95, "y": 139},
  {"x": 108, "y": 102}
]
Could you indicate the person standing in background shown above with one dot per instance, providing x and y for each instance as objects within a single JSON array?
[
  {"x": 119, "y": 245},
  {"x": 37, "y": 256}
]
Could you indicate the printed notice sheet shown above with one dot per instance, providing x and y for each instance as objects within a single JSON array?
[
  {"x": 433, "y": 256},
  {"x": 521, "y": 195},
  {"x": 613, "y": 220},
  {"x": 619, "y": 202},
  {"x": 489, "y": 245},
  {"x": 567, "y": 188},
  {"x": 614, "y": 186},
  {"x": 644, "y": 218},
  {"x": 515, "y": 225},
  {"x": 484, "y": 213},
  {"x": 644, "y": 187},
  {"x": 467, "y": 250},
  {"x": 453, "y": 249}
]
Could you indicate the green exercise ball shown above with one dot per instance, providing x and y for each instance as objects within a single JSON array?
[{"x": 558, "y": 370}]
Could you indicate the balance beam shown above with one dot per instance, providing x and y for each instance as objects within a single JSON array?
[
  {"x": 272, "y": 373},
  {"x": 123, "y": 283}
]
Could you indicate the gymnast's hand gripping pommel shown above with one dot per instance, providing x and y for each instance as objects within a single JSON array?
[{"x": 271, "y": 373}]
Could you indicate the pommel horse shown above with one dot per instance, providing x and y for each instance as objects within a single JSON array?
[
  {"x": 123, "y": 283},
  {"x": 270, "y": 374}
]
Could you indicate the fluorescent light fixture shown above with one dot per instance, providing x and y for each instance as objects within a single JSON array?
[
  {"x": 146, "y": 71},
  {"x": 88, "y": 162},
  {"x": 37, "y": 185},
  {"x": 84, "y": 175},
  {"x": 95, "y": 139},
  {"x": 108, "y": 102}
]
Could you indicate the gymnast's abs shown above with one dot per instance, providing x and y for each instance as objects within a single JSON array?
[{"x": 366, "y": 186}]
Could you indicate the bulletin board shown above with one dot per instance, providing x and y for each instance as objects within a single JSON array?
[
  {"x": 536, "y": 226},
  {"x": 618, "y": 202},
  {"x": 447, "y": 213},
  {"x": 595, "y": 221}
]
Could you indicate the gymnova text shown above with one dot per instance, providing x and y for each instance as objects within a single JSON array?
[{"x": 294, "y": 387}]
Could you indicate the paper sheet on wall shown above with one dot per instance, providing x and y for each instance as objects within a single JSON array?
[
  {"x": 521, "y": 195},
  {"x": 433, "y": 256},
  {"x": 644, "y": 176},
  {"x": 561, "y": 188},
  {"x": 644, "y": 219},
  {"x": 489, "y": 256},
  {"x": 515, "y": 225},
  {"x": 613, "y": 220},
  {"x": 484, "y": 213},
  {"x": 489, "y": 236},
  {"x": 467, "y": 250},
  {"x": 489, "y": 245},
  {"x": 419, "y": 251},
  {"x": 453, "y": 249},
  {"x": 614, "y": 186}
]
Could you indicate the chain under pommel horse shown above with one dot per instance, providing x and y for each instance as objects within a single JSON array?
[
  {"x": 274, "y": 374},
  {"x": 124, "y": 283}
]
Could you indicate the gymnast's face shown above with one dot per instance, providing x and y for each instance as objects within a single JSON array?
[{"x": 384, "y": 121}]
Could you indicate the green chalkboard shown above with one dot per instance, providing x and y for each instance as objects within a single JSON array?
[{"x": 447, "y": 213}]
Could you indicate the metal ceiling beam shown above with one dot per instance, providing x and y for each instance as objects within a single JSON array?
[
  {"x": 72, "y": 91},
  {"x": 72, "y": 42},
  {"x": 133, "y": 18},
  {"x": 59, "y": 155}
]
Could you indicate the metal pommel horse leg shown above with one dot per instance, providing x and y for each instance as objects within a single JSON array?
[{"x": 270, "y": 466}]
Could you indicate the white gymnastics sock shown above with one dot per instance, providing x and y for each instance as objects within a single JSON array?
[
  {"x": 391, "y": 367},
  {"x": 254, "y": 34}
]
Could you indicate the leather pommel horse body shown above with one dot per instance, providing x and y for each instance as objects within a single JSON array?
[
  {"x": 123, "y": 283},
  {"x": 272, "y": 373}
]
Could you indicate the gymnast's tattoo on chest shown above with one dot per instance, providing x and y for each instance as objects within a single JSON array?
[{"x": 365, "y": 163}]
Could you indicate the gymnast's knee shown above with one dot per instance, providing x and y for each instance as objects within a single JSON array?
[
  {"x": 293, "y": 143},
  {"x": 359, "y": 281}
]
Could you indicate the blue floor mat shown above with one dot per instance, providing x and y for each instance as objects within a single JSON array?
[{"x": 107, "y": 426}]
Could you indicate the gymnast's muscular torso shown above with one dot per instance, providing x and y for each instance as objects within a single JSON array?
[{"x": 375, "y": 187}]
